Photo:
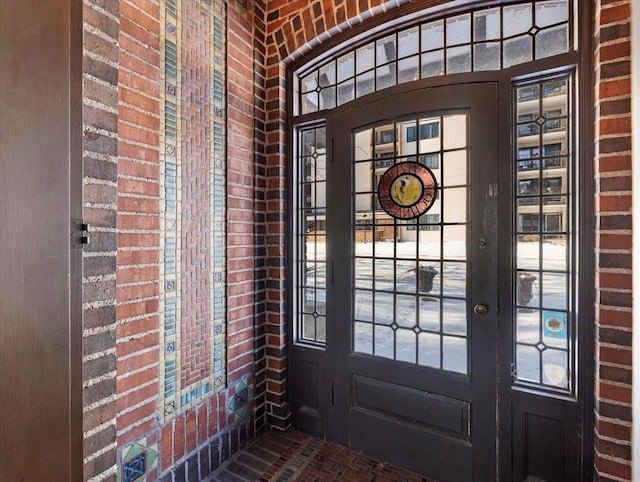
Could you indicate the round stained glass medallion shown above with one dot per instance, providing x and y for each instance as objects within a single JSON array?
[{"x": 407, "y": 190}]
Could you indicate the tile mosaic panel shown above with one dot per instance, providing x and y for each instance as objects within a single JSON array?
[
  {"x": 193, "y": 181},
  {"x": 138, "y": 460}
]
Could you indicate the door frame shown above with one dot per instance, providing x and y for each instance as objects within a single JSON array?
[{"x": 581, "y": 60}]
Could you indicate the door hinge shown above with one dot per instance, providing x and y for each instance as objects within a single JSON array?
[
  {"x": 79, "y": 234},
  {"x": 331, "y": 394}
]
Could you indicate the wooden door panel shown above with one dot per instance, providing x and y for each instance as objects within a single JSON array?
[{"x": 419, "y": 415}]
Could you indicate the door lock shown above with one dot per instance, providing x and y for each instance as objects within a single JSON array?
[{"x": 481, "y": 309}]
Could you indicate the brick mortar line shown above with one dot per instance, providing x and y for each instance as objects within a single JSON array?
[
  {"x": 100, "y": 452},
  {"x": 136, "y": 336},
  {"x": 139, "y": 109},
  {"x": 138, "y": 283},
  {"x": 97, "y": 254},
  {"x": 96, "y": 130},
  {"x": 613, "y": 383},
  {"x": 140, "y": 352},
  {"x": 99, "y": 156},
  {"x": 138, "y": 300},
  {"x": 98, "y": 304},
  {"x": 612, "y": 458},
  {"x": 137, "y": 423},
  {"x": 126, "y": 86},
  {"x": 146, "y": 14},
  {"x": 138, "y": 161},
  {"x": 98, "y": 105},
  {"x": 133, "y": 266},
  {"x": 86, "y": 76},
  {"x": 613, "y": 174},
  {"x": 113, "y": 470},
  {"x": 94, "y": 181},
  {"x": 87, "y": 27},
  {"x": 99, "y": 403},
  {"x": 98, "y": 330},
  {"x": 92, "y": 55},
  {"x": 614, "y": 440},
  {"x": 130, "y": 142},
  {"x": 140, "y": 179},
  {"x": 136, "y": 125},
  {"x": 133, "y": 319},
  {"x": 154, "y": 381},
  {"x": 99, "y": 428},
  {"x": 615, "y": 421},
  {"x": 135, "y": 371},
  {"x": 139, "y": 42},
  {"x": 137, "y": 248},
  {"x": 102, "y": 11},
  {"x": 94, "y": 381},
  {"x": 137, "y": 196},
  {"x": 91, "y": 205}
]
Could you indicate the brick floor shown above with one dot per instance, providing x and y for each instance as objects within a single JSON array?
[{"x": 295, "y": 456}]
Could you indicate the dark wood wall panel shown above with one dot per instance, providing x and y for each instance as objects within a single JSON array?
[{"x": 39, "y": 401}]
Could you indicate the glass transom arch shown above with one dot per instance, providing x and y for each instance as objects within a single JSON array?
[{"x": 487, "y": 39}]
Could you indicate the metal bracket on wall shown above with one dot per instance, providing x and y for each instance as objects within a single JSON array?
[{"x": 79, "y": 234}]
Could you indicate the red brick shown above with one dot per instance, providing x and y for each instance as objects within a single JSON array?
[
  {"x": 137, "y": 396},
  {"x": 136, "y": 327},
  {"x": 617, "y": 393},
  {"x": 134, "y": 274},
  {"x": 130, "y": 293},
  {"x": 136, "y": 16},
  {"x": 615, "y": 280},
  {"x": 146, "y": 256},
  {"x": 166, "y": 446},
  {"x": 136, "y": 222},
  {"x": 178, "y": 438},
  {"x": 615, "y": 88},
  {"x": 141, "y": 153},
  {"x": 191, "y": 430},
  {"x": 134, "y": 345},
  {"x": 137, "y": 379},
  {"x": 136, "y": 309},
  {"x": 202, "y": 423},
  {"x": 129, "y": 418},
  {"x": 614, "y": 355},
  {"x": 618, "y": 13}
]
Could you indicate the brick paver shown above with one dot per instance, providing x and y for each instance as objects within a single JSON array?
[{"x": 294, "y": 456}]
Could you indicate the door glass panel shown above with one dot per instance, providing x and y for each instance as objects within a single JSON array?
[
  {"x": 544, "y": 175},
  {"x": 417, "y": 268},
  {"x": 311, "y": 246}
]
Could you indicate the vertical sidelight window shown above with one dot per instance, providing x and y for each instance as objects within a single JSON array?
[
  {"x": 544, "y": 287},
  {"x": 311, "y": 221}
]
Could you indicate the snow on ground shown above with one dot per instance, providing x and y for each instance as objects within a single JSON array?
[{"x": 377, "y": 312}]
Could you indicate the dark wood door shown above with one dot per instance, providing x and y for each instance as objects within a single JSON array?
[
  {"x": 412, "y": 323},
  {"x": 40, "y": 191}
]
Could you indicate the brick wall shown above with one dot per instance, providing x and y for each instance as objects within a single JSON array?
[
  {"x": 296, "y": 27},
  {"x": 612, "y": 68},
  {"x": 100, "y": 102}
]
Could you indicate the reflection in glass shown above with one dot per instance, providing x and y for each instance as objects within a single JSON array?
[
  {"x": 383, "y": 344},
  {"x": 497, "y": 38},
  {"x": 528, "y": 326},
  {"x": 454, "y": 354},
  {"x": 406, "y": 345},
  {"x": 429, "y": 350},
  {"x": 408, "y": 42},
  {"x": 517, "y": 50},
  {"x": 543, "y": 175},
  {"x": 363, "y": 338}
]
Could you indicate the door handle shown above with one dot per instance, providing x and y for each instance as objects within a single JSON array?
[{"x": 481, "y": 309}]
